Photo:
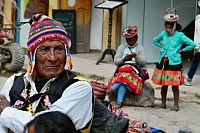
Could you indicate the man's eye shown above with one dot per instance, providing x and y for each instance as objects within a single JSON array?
[
  {"x": 44, "y": 50},
  {"x": 59, "y": 48}
]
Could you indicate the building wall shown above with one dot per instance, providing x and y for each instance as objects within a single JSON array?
[
  {"x": 153, "y": 25},
  {"x": 24, "y": 32},
  {"x": 53, "y": 4},
  {"x": 7, "y": 12},
  {"x": 96, "y": 26},
  {"x": 135, "y": 12}
]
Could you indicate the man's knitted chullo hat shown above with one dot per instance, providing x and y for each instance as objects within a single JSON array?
[{"x": 45, "y": 29}]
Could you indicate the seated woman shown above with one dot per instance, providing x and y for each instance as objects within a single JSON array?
[
  {"x": 130, "y": 59},
  {"x": 51, "y": 122}
]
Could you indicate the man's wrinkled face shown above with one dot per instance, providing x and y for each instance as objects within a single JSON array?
[{"x": 50, "y": 59}]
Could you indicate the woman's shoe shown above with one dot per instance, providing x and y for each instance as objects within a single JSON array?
[
  {"x": 176, "y": 107},
  {"x": 163, "y": 106},
  {"x": 187, "y": 82}
]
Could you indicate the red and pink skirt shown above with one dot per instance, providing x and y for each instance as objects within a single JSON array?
[
  {"x": 128, "y": 75},
  {"x": 168, "y": 75}
]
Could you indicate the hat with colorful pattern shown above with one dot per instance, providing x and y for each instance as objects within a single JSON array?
[
  {"x": 44, "y": 29},
  {"x": 130, "y": 31}
]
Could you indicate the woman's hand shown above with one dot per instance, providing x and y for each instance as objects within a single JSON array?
[
  {"x": 181, "y": 51},
  {"x": 129, "y": 57}
]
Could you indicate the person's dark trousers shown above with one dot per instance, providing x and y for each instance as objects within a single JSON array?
[{"x": 194, "y": 65}]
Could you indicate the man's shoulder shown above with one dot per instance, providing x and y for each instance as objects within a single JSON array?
[
  {"x": 20, "y": 74},
  {"x": 73, "y": 80},
  {"x": 80, "y": 87},
  {"x": 83, "y": 83}
]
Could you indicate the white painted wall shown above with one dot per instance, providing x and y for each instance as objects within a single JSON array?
[
  {"x": 96, "y": 26},
  {"x": 153, "y": 25},
  {"x": 186, "y": 9}
]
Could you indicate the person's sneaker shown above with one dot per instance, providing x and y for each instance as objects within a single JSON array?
[{"x": 187, "y": 81}]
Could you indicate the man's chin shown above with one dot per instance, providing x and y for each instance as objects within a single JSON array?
[
  {"x": 48, "y": 73},
  {"x": 53, "y": 73}
]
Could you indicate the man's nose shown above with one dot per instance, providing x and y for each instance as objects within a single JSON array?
[{"x": 52, "y": 55}]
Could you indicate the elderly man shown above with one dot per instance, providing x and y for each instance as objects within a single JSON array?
[{"x": 48, "y": 84}]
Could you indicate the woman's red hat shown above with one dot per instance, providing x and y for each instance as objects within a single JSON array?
[{"x": 130, "y": 31}]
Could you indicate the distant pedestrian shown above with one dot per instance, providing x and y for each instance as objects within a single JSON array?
[
  {"x": 169, "y": 69},
  {"x": 130, "y": 59},
  {"x": 196, "y": 57}
]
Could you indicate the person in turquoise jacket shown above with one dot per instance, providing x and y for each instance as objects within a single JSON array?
[{"x": 169, "y": 69}]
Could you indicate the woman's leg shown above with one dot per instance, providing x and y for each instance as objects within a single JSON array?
[
  {"x": 176, "y": 97},
  {"x": 164, "y": 96},
  {"x": 121, "y": 94},
  {"x": 116, "y": 86},
  {"x": 112, "y": 93},
  {"x": 194, "y": 65}
]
